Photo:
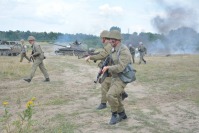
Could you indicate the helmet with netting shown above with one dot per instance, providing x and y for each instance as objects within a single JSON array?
[{"x": 115, "y": 34}]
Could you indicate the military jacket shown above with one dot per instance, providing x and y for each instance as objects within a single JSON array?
[
  {"x": 132, "y": 50},
  {"x": 142, "y": 49},
  {"x": 120, "y": 64},
  {"x": 23, "y": 49},
  {"x": 103, "y": 54},
  {"x": 37, "y": 52}
]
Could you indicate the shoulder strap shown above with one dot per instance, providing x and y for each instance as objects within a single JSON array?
[{"x": 118, "y": 54}]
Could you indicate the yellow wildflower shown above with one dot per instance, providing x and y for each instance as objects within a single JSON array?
[
  {"x": 33, "y": 99},
  {"x": 5, "y": 103},
  {"x": 29, "y": 103}
]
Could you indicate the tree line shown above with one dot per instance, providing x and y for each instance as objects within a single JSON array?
[{"x": 181, "y": 39}]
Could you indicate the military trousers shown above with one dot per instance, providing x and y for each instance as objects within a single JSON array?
[
  {"x": 104, "y": 89},
  {"x": 142, "y": 57},
  {"x": 24, "y": 55},
  {"x": 133, "y": 57},
  {"x": 114, "y": 95},
  {"x": 38, "y": 63}
]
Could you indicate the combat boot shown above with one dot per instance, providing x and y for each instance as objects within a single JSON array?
[
  {"x": 27, "y": 80},
  {"x": 47, "y": 80},
  {"x": 122, "y": 116},
  {"x": 114, "y": 118},
  {"x": 102, "y": 106},
  {"x": 124, "y": 95}
]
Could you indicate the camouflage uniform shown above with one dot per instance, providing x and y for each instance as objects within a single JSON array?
[
  {"x": 142, "y": 51},
  {"x": 23, "y": 51},
  {"x": 38, "y": 56},
  {"x": 132, "y": 50}
]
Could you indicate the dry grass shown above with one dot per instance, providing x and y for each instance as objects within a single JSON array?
[{"x": 165, "y": 97}]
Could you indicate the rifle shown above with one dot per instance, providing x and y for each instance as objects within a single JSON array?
[
  {"x": 105, "y": 63},
  {"x": 31, "y": 58}
]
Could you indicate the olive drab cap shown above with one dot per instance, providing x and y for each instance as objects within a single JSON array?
[
  {"x": 31, "y": 38},
  {"x": 115, "y": 34},
  {"x": 104, "y": 33}
]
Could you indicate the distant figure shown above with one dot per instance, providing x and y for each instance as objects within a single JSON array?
[
  {"x": 76, "y": 42},
  {"x": 38, "y": 56},
  {"x": 23, "y": 51},
  {"x": 142, "y": 50},
  {"x": 132, "y": 50}
]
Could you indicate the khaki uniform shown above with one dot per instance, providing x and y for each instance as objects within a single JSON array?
[
  {"x": 23, "y": 53},
  {"x": 38, "y": 55},
  {"x": 107, "y": 81},
  {"x": 117, "y": 85},
  {"x": 142, "y": 51}
]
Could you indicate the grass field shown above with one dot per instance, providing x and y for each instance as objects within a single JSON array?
[{"x": 163, "y": 99}]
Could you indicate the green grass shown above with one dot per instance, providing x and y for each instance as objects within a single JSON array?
[
  {"x": 62, "y": 125},
  {"x": 173, "y": 74}
]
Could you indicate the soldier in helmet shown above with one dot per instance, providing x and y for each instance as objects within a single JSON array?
[
  {"x": 105, "y": 85},
  {"x": 38, "y": 56},
  {"x": 132, "y": 50},
  {"x": 120, "y": 61},
  {"x": 142, "y": 50},
  {"x": 23, "y": 51}
]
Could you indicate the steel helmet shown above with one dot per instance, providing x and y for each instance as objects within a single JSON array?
[
  {"x": 31, "y": 38},
  {"x": 104, "y": 33},
  {"x": 115, "y": 34},
  {"x": 22, "y": 40}
]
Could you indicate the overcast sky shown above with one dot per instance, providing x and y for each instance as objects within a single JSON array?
[{"x": 93, "y": 16}]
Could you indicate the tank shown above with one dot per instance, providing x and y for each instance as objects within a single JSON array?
[
  {"x": 9, "y": 48},
  {"x": 73, "y": 49}
]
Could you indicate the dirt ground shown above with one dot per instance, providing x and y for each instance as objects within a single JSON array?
[{"x": 71, "y": 98}]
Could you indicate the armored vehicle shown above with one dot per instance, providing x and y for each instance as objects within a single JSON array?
[
  {"x": 71, "y": 49},
  {"x": 9, "y": 48}
]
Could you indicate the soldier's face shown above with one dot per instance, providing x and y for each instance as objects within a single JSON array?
[
  {"x": 113, "y": 42},
  {"x": 31, "y": 41}
]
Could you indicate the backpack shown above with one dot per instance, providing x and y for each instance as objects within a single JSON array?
[{"x": 128, "y": 74}]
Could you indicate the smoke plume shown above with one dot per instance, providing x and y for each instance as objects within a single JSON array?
[{"x": 177, "y": 25}]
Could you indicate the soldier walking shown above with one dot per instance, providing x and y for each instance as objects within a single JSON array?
[
  {"x": 132, "y": 50},
  {"x": 105, "y": 85},
  {"x": 23, "y": 51},
  {"x": 38, "y": 56},
  {"x": 120, "y": 61},
  {"x": 142, "y": 50}
]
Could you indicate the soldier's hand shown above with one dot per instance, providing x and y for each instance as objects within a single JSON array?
[
  {"x": 105, "y": 69},
  {"x": 87, "y": 58}
]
